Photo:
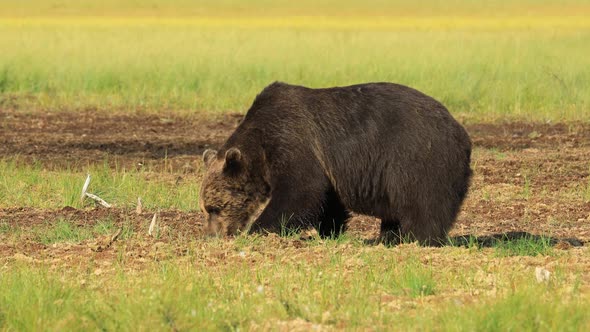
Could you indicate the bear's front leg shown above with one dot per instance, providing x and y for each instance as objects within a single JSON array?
[{"x": 291, "y": 207}]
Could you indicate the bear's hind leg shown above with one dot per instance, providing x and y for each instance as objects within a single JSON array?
[
  {"x": 390, "y": 233},
  {"x": 334, "y": 216},
  {"x": 426, "y": 228}
]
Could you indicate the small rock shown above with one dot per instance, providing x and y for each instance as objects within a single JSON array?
[{"x": 542, "y": 275}]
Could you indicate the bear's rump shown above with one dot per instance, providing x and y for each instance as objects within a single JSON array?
[{"x": 382, "y": 180}]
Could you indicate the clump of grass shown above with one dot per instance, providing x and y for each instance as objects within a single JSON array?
[
  {"x": 416, "y": 279},
  {"x": 528, "y": 309},
  {"x": 4, "y": 227},
  {"x": 108, "y": 227},
  {"x": 288, "y": 230},
  {"x": 498, "y": 154},
  {"x": 37, "y": 290},
  {"x": 336, "y": 240},
  {"x": 103, "y": 227},
  {"x": 526, "y": 188},
  {"x": 469, "y": 241},
  {"x": 245, "y": 240},
  {"x": 523, "y": 246},
  {"x": 62, "y": 231}
]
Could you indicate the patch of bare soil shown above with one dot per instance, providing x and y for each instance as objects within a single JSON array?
[
  {"x": 528, "y": 177},
  {"x": 58, "y": 140},
  {"x": 175, "y": 235},
  {"x": 524, "y": 135},
  {"x": 174, "y": 229}
]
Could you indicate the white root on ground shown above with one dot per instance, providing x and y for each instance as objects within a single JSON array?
[
  {"x": 98, "y": 200},
  {"x": 138, "y": 208},
  {"x": 153, "y": 224},
  {"x": 542, "y": 275},
  {"x": 85, "y": 187},
  {"x": 85, "y": 194}
]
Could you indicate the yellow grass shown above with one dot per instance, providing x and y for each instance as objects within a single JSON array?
[{"x": 316, "y": 22}]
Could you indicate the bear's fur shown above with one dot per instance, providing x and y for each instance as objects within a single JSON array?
[{"x": 315, "y": 155}]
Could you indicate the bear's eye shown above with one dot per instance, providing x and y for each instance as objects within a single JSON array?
[{"x": 212, "y": 210}]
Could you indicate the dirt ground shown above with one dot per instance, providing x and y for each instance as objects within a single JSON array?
[{"x": 529, "y": 177}]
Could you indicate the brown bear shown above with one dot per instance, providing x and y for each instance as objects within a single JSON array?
[{"x": 309, "y": 157}]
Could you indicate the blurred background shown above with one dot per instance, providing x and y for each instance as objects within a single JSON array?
[{"x": 525, "y": 59}]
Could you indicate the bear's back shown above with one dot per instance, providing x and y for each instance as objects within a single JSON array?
[{"x": 376, "y": 142}]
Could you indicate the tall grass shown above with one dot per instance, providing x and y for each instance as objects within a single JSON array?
[{"x": 481, "y": 66}]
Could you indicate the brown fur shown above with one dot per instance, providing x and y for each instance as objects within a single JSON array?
[{"x": 380, "y": 149}]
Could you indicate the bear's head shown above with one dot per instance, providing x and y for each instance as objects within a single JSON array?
[{"x": 233, "y": 190}]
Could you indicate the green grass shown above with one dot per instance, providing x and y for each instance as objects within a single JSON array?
[
  {"x": 489, "y": 60},
  {"x": 344, "y": 287},
  {"x": 489, "y": 72},
  {"x": 107, "y": 226},
  {"x": 416, "y": 279},
  {"x": 526, "y": 189},
  {"x": 61, "y": 231},
  {"x": 525, "y": 310},
  {"x": 34, "y": 186},
  {"x": 64, "y": 230},
  {"x": 526, "y": 246},
  {"x": 4, "y": 226}
]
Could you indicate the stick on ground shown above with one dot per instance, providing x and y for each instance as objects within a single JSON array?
[
  {"x": 85, "y": 187},
  {"x": 138, "y": 208},
  {"x": 153, "y": 224},
  {"x": 98, "y": 200}
]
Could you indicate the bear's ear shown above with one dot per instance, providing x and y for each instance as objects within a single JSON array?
[
  {"x": 233, "y": 160},
  {"x": 208, "y": 156}
]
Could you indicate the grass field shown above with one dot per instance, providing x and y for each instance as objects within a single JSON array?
[
  {"x": 523, "y": 61},
  {"x": 132, "y": 92}
]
